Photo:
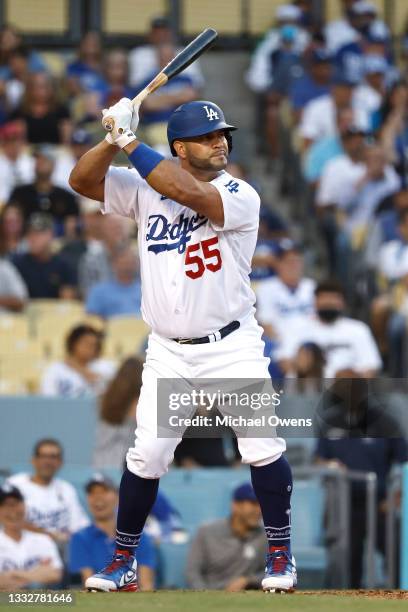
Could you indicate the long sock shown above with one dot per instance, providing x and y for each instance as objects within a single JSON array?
[
  {"x": 273, "y": 487},
  {"x": 136, "y": 498}
]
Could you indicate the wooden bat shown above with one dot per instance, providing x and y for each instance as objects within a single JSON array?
[{"x": 183, "y": 59}]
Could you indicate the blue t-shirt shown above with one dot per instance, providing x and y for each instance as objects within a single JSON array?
[
  {"x": 112, "y": 299},
  {"x": 91, "y": 547},
  {"x": 319, "y": 154},
  {"x": 89, "y": 78},
  {"x": 304, "y": 90},
  {"x": 163, "y": 115}
]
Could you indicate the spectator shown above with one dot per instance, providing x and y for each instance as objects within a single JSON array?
[
  {"x": 96, "y": 264},
  {"x": 16, "y": 164},
  {"x": 315, "y": 82},
  {"x": 158, "y": 107},
  {"x": 371, "y": 92},
  {"x": 82, "y": 372},
  {"x": 319, "y": 116},
  {"x": 287, "y": 298},
  {"x": 394, "y": 128},
  {"x": 385, "y": 227},
  {"x": 11, "y": 230},
  {"x": 46, "y": 120},
  {"x": 43, "y": 196},
  {"x": 309, "y": 365},
  {"x": 27, "y": 559},
  {"x": 393, "y": 255},
  {"x": 359, "y": 434},
  {"x": 121, "y": 295},
  {"x": 272, "y": 228},
  {"x": 229, "y": 553},
  {"x": 347, "y": 343},
  {"x": 91, "y": 547},
  {"x": 52, "y": 505},
  {"x": 116, "y": 425},
  {"x": 45, "y": 274},
  {"x": 10, "y": 40},
  {"x": 16, "y": 84},
  {"x": 13, "y": 292},
  {"x": 143, "y": 60},
  {"x": 81, "y": 142},
  {"x": 84, "y": 74}
]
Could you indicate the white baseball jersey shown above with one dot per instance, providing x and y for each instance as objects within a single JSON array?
[
  {"x": 277, "y": 303},
  {"x": 195, "y": 275},
  {"x": 54, "y": 507},
  {"x": 29, "y": 551}
]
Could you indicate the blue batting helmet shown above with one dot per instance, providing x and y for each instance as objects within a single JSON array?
[{"x": 196, "y": 119}]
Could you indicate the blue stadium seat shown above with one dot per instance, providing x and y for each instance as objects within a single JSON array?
[
  {"x": 173, "y": 559},
  {"x": 307, "y": 524}
]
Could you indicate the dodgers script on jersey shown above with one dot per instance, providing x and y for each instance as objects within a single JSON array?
[{"x": 195, "y": 275}]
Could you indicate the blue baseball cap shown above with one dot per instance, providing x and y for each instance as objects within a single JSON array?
[
  {"x": 244, "y": 492},
  {"x": 375, "y": 64},
  {"x": 7, "y": 490},
  {"x": 321, "y": 56}
]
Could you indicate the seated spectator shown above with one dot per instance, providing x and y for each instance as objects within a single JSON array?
[
  {"x": 43, "y": 196},
  {"x": 318, "y": 119},
  {"x": 309, "y": 365},
  {"x": 360, "y": 445},
  {"x": 315, "y": 81},
  {"x": 27, "y": 559},
  {"x": 346, "y": 342},
  {"x": 229, "y": 553},
  {"x": 45, "y": 274},
  {"x": 96, "y": 264},
  {"x": 16, "y": 84},
  {"x": 394, "y": 127},
  {"x": 122, "y": 294},
  {"x": 16, "y": 164},
  {"x": 52, "y": 505},
  {"x": 158, "y": 107},
  {"x": 84, "y": 74},
  {"x": 393, "y": 255},
  {"x": 92, "y": 546},
  {"x": 271, "y": 230},
  {"x": 10, "y": 40},
  {"x": 82, "y": 372},
  {"x": 324, "y": 150},
  {"x": 287, "y": 298},
  {"x": 81, "y": 142},
  {"x": 143, "y": 59},
  {"x": 46, "y": 120},
  {"x": 13, "y": 292},
  {"x": 12, "y": 230},
  {"x": 370, "y": 94},
  {"x": 115, "y": 430},
  {"x": 385, "y": 226}
]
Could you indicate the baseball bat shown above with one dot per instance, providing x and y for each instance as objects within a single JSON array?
[{"x": 183, "y": 59}]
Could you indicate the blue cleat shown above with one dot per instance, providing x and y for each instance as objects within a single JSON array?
[
  {"x": 280, "y": 572},
  {"x": 119, "y": 575}
]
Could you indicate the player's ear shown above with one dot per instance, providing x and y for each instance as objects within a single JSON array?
[{"x": 180, "y": 148}]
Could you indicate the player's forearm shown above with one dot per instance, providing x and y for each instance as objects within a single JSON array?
[{"x": 90, "y": 170}]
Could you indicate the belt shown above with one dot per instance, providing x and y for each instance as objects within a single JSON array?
[{"x": 218, "y": 335}]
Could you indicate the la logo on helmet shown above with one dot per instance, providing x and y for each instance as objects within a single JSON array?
[{"x": 211, "y": 113}]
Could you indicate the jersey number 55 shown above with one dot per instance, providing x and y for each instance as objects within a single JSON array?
[{"x": 203, "y": 256}]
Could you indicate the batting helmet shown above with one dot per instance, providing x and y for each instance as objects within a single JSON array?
[{"x": 196, "y": 119}]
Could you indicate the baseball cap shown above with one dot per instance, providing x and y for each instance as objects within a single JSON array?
[
  {"x": 7, "y": 490},
  {"x": 100, "y": 479},
  {"x": 12, "y": 129},
  {"x": 286, "y": 245},
  {"x": 45, "y": 150},
  {"x": 160, "y": 22},
  {"x": 244, "y": 492},
  {"x": 375, "y": 64},
  {"x": 40, "y": 222},
  {"x": 363, "y": 7},
  {"x": 343, "y": 79},
  {"x": 288, "y": 12},
  {"x": 80, "y": 137},
  {"x": 321, "y": 56}
]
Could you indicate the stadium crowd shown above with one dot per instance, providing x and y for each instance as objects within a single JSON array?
[{"x": 332, "y": 299}]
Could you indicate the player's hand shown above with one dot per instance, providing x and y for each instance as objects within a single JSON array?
[{"x": 120, "y": 117}]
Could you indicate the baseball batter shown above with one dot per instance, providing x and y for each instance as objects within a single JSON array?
[{"x": 197, "y": 228}]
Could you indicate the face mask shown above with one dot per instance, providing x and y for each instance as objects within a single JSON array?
[
  {"x": 288, "y": 33},
  {"x": 329, "y": 315}
]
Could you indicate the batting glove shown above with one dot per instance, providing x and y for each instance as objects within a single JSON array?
[{"x": 120, "y": 117}]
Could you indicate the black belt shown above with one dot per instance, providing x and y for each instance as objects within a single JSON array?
[{"x": 218, "y": 335}]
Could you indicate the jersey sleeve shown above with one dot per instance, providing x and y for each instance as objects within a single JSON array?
[
  {"x": 123, "y": 189},
  {"x": 241, "y": 205}
]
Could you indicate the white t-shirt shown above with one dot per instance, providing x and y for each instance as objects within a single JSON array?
[
  {"x": 319, "y": 118},
  {"x": 195, "y": 275},
  {"x": 368, "y": 98},
  {"x": 54, "y": 507},
  {"x": 62, "y": 169},
  {"x": 29, "y": 551},
  {"x": 393, "y": 259},
  {"x": 339, "y": 33},
  {"x": 60, "y": 380},
  {"x": 11, "y": 282},
  {"x": 338, "y": 182},
  {"x": 143, "y": 64},
  {"x": 347, "y": 344},
  {"x": 15, "y": 173},
  {"x": 277, "y": 304}
]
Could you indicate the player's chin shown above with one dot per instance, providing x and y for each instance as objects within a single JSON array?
[{"x": 219, "y": 162}]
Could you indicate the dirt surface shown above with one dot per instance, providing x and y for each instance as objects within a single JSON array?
[{"x": 376, "y": 594}]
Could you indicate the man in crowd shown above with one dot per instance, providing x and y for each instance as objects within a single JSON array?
[
  {"x": 347, "y": 343},
  {"x": 46, "y": 274},
  {"x": 52, "y": 505},
  {"x": 26, "y": 558},
  {"x": 229, "y": 553},
  {"x": 121, "y": 295},
  {"x": 91, "y": 546}
]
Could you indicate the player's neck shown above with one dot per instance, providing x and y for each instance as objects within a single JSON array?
[
  {"x": 44, "y": 482},
  {"x": 206, "y": 176}
]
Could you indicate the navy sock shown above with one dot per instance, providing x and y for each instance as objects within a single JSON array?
[
  {"x": 136, "y": 498},
  {"x": 273, "y": 487}
]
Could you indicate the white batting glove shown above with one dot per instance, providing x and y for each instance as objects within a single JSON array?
[
  {"x": 120, "y": 116},
  {"x": 134, "y": 124}
]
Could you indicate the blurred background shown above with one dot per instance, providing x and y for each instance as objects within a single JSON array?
[{"x": 318, "y": 90}]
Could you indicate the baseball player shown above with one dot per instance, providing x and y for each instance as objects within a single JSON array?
[{"x": 197, "y": 228}]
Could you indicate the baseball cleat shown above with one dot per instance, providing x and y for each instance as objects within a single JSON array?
[
  {"x": 280, "y": 572},
  {"x": 119, "y": 575}
]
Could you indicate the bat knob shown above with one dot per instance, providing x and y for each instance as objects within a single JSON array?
[{"x": 108, "y": 124}]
